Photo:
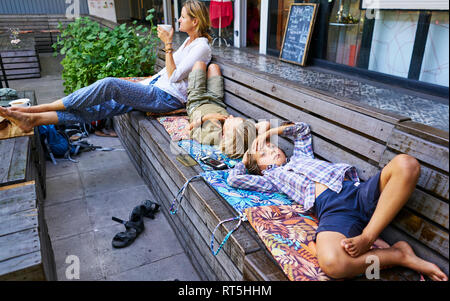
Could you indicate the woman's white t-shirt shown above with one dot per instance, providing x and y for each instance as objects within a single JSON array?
[{"x": 184, "y": 58}]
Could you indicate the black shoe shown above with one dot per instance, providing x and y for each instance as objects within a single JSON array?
[
  {"x": 149, "y": 208},
  {"x": 133, "y": 227}
]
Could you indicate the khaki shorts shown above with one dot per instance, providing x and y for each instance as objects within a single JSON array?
[{"x": 203, "y": 91}]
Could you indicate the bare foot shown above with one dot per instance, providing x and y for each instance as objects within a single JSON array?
[
  {"x": 32, "y": 109},
  {"x": 357, "y": 245},
  {"x": 379, "y": 243},
  {"x": 23, "y": 120},
  {"x": 418, "y": 264}
]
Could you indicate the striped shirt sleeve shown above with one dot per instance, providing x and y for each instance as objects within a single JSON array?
[{"x": 238, "y": 178}]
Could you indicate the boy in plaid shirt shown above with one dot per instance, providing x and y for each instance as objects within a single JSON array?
[{"x": 351, "y": 214}]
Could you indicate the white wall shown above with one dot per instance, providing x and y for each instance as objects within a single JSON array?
[{"x": 100, "y": 9}]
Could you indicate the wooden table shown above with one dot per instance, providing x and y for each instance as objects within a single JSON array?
[
  {"x": 22, "y": 60},
  {"x": 25, "y": 249}
]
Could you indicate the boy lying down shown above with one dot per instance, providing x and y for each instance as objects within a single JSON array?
[{"x": 351, "y": 214}]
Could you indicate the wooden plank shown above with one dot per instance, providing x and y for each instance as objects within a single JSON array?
[
  {"x": 19, "y": 159},
  {"x": 392, "y": 235},
  {"x": 16, "y": 65},
  {"x": 6, "y": 153},
  {"x": 431, "y": 180},
  {"x": 23, "y": 76},
  {"x": 24, "y": 268},
  {"x": 11, "y": 60},
  {"x": 425, "y": 232},
  {"x": 347, "y": 118},
  {"x": 13, "y": 160},
  {"x": 16, "y": 72},
  {"x": 425, "y": 151},
  {"x": 429, "y": 206},
  {"x": 19, "y": 243},
  {"x": 424, "y": 131},
  {"x": 5, "y": 188},
  {"x": 18, "y": 53},
  {"x": 19, "y": 221},
  {"x": 259, "y": 267}
]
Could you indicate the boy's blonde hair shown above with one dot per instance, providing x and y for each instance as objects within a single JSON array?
[
  {"x": 240, "y": 141},
  {"x": 198, "y": 10}
]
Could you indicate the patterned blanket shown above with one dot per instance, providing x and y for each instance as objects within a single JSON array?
[{"x": 289, "y": 233}]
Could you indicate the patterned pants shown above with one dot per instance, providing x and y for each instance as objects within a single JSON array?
[{"x": 110, "y": 96}]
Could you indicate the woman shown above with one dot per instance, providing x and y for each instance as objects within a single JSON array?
[{"x": 111, "y": 96}]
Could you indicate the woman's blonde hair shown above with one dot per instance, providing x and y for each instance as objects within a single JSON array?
[
  {"x": 198, "y": 10},
  {"x": 239, "y": 142}
]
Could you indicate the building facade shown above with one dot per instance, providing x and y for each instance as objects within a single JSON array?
[{"x": 394, "y": 41}]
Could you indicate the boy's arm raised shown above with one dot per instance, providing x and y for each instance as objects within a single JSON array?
[{"x": 302, "y": 139}]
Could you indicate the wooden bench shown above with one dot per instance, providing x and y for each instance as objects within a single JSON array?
[
  {"x": 343, "y": 131},
  {"x": 25, "y": 247}
]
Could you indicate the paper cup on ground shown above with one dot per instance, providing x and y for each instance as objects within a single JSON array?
[
  {"x": 23, "y": 102},
  {"x": 166, "y": 27}
]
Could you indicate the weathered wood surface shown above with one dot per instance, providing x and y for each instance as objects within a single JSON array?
[
  {"x": 19, "y": 237},
  {"x": 258, "y": 266},
  {"x": 14, "y": 154}
]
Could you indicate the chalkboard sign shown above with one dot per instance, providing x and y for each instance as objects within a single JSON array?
[{"x": 297, "y": 33}]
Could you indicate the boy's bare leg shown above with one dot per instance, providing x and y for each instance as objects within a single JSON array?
[
  {"x": 213, "y": 70},
  {"x": 397, "y": 181},
  {"x": 57, "y": 105},
  {"x": 336, "y": 263},
  {"x": 26, "y": 121}
]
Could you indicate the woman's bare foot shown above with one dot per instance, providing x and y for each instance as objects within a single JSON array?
[
  {"x": 32, "y": 109},
  {"x": 357, "y": 245},
  {"x": 24, "y": 121},
  {"x": 418, "y": 264}
]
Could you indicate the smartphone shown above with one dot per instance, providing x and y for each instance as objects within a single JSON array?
[
  {"x": 186, "y": 160},
  {"x": 216, "y": 164}
]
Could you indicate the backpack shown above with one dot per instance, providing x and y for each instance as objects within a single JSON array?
[{"x": 57, "y": 143}]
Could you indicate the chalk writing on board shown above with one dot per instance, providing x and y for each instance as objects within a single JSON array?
[{"x": 298, "y": 31}]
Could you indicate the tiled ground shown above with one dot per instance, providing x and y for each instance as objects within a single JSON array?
[{"x": 81, "y": 199}]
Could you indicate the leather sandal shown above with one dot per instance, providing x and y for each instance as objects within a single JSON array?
[
  {"x": 133, "y": 227},
  {"x": 149, "y": 208}
]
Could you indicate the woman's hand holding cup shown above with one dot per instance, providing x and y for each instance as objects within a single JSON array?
[{"x": 165, "y": 33}]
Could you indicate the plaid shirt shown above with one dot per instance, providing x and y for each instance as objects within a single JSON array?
[{"x": 297, "y": 177}]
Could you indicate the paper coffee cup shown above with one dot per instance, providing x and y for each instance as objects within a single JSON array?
[
  {"x": 166, "y": 27},
  {"x": 22, "y": 102}
]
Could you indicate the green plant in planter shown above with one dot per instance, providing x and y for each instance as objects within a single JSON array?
[{"x": 93, "y": 52}]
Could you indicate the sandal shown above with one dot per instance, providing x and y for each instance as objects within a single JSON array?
[
  {"x": 149, "y": 208},
  {"x": 133, "y": 227}
]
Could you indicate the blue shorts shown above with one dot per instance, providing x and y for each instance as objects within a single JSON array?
[{"x": 349, "y": 211}]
